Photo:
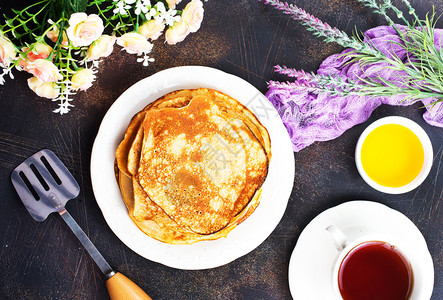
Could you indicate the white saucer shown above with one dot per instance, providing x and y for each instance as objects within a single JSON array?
[{"x": 314, "y": 256}]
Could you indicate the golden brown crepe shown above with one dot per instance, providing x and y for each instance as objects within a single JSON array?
[{"x": 191, "y": 165}]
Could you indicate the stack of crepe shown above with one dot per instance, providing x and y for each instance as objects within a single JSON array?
[{"x": 191, "y": 166}]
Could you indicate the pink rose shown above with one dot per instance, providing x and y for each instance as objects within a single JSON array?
[
  {"x": 40, "y": 50},
  {"x": 173, "y": 3},
  {"x": 151, "y": 29},
  {"x": 84, "y": 29},
  {"x": 44, "y": 70},
  {"x": 7, "y": 51},
  {"x": 101, "y": 48},
  {"x": 54, "y": 34},
  {"x": 193, "y": 15},
  {"x": 177, "y": 33},
  {"x": 82, "y": 80},
  {"x": 134, "y": 43},
  {"x": 44, "y": 89}
]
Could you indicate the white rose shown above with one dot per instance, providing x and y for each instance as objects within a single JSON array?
[
  {"x": 177, "y": 33},
  {"x": 134, "y": 43},
  {"x": 44, "y": 70},
  {"x": 101, "y": 48},
  {"x": 54, "y": 34},
  {"x": 151, "y": 29},
  {"x": 173, "y": 3},
  {"x": 44, "y": 89},
  {"x": 84, "y": 29},
  {"x": 7, "y": 51},
  {"x": 40, "y": 50},
  {"x": 193, "y": 15},
  {"x": 82, "y": 80}
]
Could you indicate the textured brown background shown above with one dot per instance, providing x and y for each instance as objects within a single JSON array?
[{"x": 242, "y": 37}]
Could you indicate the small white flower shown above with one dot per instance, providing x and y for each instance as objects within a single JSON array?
[
  {"x": 130, "y": 1},
  {"x": 63, "y": 105},
  {"x": 6, "y": 72},
  {"x": 151, "y": 13},
  {"x": 95, "y": 63},
  {"x": 146, "y": 60},
  {"x": 170, "y": 17},
  {"x": 160, "y": 7},
  {"x": 121, "y": 8},
  {"x": 64, "y": 98},
  {"x": 140, "y": 7}
]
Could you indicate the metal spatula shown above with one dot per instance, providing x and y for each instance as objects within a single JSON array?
[{"x": 44, "y": 185}]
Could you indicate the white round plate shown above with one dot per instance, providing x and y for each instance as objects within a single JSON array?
[
  {"x": 314, "y": 255},
  {"x": 207, "y": 254}
]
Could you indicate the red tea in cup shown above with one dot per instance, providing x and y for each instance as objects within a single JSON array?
[{"x": 375, "y": 270}]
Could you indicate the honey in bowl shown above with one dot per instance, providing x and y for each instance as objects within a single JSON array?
[
  {"x": 392, "y": 155},
  {"x": 375, "y": 270}
]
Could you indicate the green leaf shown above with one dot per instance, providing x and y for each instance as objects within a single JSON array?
[
  {"x": 81, "y": 5},
  {"x": 16, "y": 11}
]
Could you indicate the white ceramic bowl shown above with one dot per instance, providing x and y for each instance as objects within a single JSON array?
[{"x": 427, "y": 148}]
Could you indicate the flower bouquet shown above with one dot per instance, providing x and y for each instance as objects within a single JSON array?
[
  {"x": 398, "y": 64},
  {"x": 62, "y": 42}
]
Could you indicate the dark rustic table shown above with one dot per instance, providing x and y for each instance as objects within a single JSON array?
[{"x": 245, "y": 38}]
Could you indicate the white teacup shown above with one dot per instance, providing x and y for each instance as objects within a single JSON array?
[{"x": 412, "y": 259}]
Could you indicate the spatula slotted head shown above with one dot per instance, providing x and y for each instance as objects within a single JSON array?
[{"x": 44, "y": 184}]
